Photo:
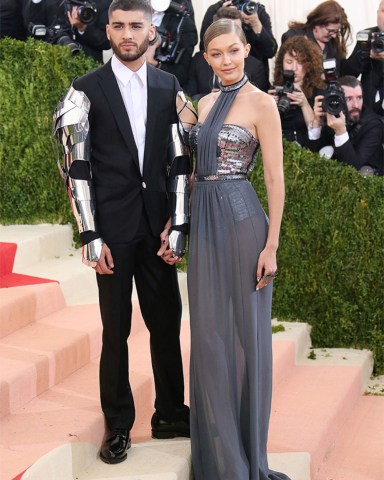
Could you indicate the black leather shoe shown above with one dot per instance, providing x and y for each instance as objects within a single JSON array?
[
  {"x": 162, "y": 429},
  {"x": 115, "y": 446}
]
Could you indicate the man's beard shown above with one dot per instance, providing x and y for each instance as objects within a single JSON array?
[
  {"x": 354, "y": 116},
  {"x": 130, "y": 56}
]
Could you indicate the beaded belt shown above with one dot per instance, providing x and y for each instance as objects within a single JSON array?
[{"x": 213, "y": 178}]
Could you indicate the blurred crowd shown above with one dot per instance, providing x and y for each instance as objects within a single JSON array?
[{"x": 328, "y": 101}]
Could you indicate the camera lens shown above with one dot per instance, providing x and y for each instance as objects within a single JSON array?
[
  {"x": 86, "y": 14},
  {"x": 283, "y": 105},
  {"x": 333, "y": 104},
  {"x": 67, "y": 41},
  {"x": 378, "y": 45},
  {"x": 250, "y": 8}
]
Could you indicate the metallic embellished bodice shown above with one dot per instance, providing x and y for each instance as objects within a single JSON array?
[{"x": 236, "y": 150}]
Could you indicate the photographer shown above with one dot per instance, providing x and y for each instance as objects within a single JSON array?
[
  {"x": 355, "y": 137},
  {"x": 367, "y": 59},
  {"x": 256, "y": 25},
  {"x": 87, "y": 33},
  {"x": 327, "y": 27},
  {"x": 201, "y": 77},
  {"x": 176, "y": 38},
  {"x": 297, "y": 76}
]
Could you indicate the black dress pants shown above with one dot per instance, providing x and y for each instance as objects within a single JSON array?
[{"x": 160, "y": 304}]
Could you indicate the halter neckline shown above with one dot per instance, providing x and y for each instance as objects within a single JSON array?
[{"x": 234, "y": 86}]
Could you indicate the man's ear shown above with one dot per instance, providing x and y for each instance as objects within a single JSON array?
[
  {"x": 152, "y": 34},
  {"x": 107, "y": 31}
]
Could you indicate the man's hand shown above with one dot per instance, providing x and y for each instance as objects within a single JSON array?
[
  {"x": 337, "y": 123},
  {"x": 105, "y": 264},
  {"x": 164, "y": 251},
  {"x": 74, "y": 20},
  {"x": 253, "y": 21},
  {"x": 377, "y": 56}
]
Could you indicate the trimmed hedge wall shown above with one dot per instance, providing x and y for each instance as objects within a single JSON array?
[
  {"x": 331, "y": 254},
  {"x": 332, "y": 240}
]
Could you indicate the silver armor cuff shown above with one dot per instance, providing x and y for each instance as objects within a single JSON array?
[
  {"x": 177, "y": 243},
  {"x": 178, "y": 189},
  {"x": 92, "y": 252},
  {"x": 71, "y": 128}
]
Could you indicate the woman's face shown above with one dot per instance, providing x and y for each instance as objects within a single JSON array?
[
  {"x": 290, "y": 62},
  {"x": 325, "y": 33},
  {"x": 226, "y": 54}
]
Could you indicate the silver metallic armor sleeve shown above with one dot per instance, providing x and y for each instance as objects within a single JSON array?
[
  {"x": 71, "y": 128},
  {"x": 179, "y": 168}
]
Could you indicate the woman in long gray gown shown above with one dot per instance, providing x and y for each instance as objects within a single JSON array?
[{"x": 232, "y": 245}]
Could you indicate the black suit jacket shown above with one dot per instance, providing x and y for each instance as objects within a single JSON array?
[
  {"x": 122, "y": 193},
  {"x": 365, "y": 144},
  {"x": 372, "y": 76}
]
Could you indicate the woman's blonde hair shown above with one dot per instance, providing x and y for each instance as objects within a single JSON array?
[{"x": 223, "y": 26}]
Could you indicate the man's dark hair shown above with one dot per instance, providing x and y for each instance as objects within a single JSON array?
[
  {"x": 349, "y": 81},
  {"x": 132, "y": 5},
  {"x": 227, "y": 12}
]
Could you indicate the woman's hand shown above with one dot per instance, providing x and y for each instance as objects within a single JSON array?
[
  {"x": 298, "y": 98},
  {"x": 267, "y": 263}
]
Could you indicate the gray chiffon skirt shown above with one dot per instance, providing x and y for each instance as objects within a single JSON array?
[{"x": 231, "y": 339}]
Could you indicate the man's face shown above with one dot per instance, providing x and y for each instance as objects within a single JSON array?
[
  {"x": 354, "y": 100},
  {"x": 129, "y": 33},
  {"x": 380, "y": 16}
]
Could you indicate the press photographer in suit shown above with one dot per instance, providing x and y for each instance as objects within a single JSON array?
[
  {"x": 367, "y": 59},
  {"x": 355, "y": 135},
  {"x": 176, "y": 38},
  {"x": 81, "y": 21},
  {"x": 128, "y": 185},
  {"x": 256, "y": 24}
]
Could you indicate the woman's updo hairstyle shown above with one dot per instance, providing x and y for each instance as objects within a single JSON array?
[{"x": 223, "y": 26}]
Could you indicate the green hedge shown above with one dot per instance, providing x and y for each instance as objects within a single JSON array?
[
  {"x": 33, "y": 76},
  {"x": 331, "y": 251},
  {"x": 331, "y": 254}
]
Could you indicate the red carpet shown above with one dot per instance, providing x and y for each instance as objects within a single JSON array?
[{"x": 9, "y": 279}]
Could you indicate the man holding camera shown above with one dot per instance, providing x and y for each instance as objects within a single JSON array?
[
  {"x": 256, "y": 24},
  {"x": 367, "y": 59},
  {"x": 355, "y": 136},
  {"x": 175, "y": 40},
  {"x": 82, "y": 21}
]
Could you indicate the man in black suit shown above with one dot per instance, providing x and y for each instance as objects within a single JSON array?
[
  {"x": 370, "y": 64},
  {"x": 127, "y": 191},
  {"x": 90, "y": 37},
  {"x": 356, "y": 138},
  {"x": 256, "y": 25},
  {"x": 201, "y": 78}
]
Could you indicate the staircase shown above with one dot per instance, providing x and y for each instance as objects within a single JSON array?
[{"x": 322, "y": 426}]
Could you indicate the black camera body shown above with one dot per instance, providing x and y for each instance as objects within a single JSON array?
[
  {"x": 377, "y": 40},
  {"x": 334, "y": 99},
  {"x": 168, "y": 50},
  {"x": 249, "y": 7},
  {"x": 55, "y": 35},
  {"x": 86, "y": 10},
  {"x": 367, "y": 41},
  {"x": 284, "y": 103}
]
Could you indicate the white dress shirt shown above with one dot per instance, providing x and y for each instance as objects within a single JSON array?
[{"x": 133, "y": 88}]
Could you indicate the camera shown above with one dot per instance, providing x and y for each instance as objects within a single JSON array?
[
  {"x": 249, "y": 7},
  {"x": 334, "y": 99},
  {"x": 367, "y": 41},
  {"x": 86, "y": 11},
  {"x": 55, "y": 35},
  {"x": 377, "y": 42},
  {"x": 284, "y": 103},
  {"x": 168, "y": 50}
]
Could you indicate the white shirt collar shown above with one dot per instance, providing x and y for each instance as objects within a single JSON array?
[{"x": 124, "y": 74}]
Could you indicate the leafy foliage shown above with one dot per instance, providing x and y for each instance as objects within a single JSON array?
[{"x": 331, "y": 252}]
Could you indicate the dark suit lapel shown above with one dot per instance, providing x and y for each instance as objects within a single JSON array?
[
  {"x": 152, "y": 117},
  {"x": 110, "y": 88}
]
